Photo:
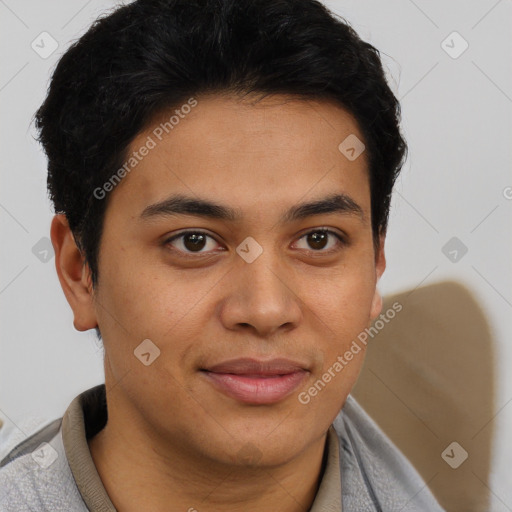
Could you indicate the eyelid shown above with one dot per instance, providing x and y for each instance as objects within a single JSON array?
[
  {"x": 338, "y": 233},
  {"x": 341, "y": 237},
  {"x": 170, "y": 239}
]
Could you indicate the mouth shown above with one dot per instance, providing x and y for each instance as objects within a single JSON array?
[{"x": 256, "y": 382}]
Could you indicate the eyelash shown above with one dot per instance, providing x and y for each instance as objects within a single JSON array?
[{"x": 341, "y": 241}]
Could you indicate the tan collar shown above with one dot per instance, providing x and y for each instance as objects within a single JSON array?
[
  {"x": 91, "y": 404},
  {"x": 328, "y": 496},
  {"x": 79, "y": 457}
]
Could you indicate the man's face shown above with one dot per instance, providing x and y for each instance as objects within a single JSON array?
[{"x": 208, "y": 306}]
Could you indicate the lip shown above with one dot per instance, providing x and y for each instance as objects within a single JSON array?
[{"x": 256, "y": 382}]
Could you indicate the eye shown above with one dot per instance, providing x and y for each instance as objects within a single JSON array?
[
  {"x": 322, "y": 240},
  {"x": 192, "y": 242}
]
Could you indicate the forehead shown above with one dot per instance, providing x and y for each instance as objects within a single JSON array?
[{"x": 243, "y": 153}]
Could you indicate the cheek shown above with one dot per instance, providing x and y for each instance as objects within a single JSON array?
[
  {"x": 339, "y": 315},
  {"x": 141, "y": 300},
  {"x": 135, "y": 300},
  {"x": 343, "y": 300}
]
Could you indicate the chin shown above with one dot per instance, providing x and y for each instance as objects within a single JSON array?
[{"x": 257, "y": 449}]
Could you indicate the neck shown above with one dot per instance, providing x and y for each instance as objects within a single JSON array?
[{"x": 155, "y": 475}]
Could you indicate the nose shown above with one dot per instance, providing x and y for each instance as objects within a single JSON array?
[{"x": 261, "y": 297}]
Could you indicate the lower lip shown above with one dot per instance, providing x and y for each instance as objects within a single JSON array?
[{"x": 256, "y": 390}]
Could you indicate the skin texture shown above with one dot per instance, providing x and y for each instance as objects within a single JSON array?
[{"x": 173, "y": 441}]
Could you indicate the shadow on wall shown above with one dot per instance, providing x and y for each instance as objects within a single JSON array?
[{"x": 428, "y": 381}]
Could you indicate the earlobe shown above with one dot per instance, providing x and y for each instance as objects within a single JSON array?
[
  {"x": 73, "y": 273},
  {"x": 376, "y": 305}
]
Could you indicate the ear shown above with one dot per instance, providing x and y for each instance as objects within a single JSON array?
[
  {"x": 73, "y": 273},
  {"x": 380, "y": 266}
]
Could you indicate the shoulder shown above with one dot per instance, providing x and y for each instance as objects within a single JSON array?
[
  {"x": 35, "y": 475},
  {"x": 374, "y": 472}
]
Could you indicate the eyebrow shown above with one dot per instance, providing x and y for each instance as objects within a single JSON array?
[{"x": 183, "y": 205}]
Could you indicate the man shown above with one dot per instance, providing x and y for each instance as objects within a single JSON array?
[{"x": 221, "y": 173}]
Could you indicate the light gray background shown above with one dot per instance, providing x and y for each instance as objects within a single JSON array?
[{"x": 457, "y": 182}]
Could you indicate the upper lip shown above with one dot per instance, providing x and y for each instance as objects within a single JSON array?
[{"x": 248, "y": 366}]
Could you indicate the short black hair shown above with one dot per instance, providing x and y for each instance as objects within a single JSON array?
[{"x": 151, "y": 55}]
